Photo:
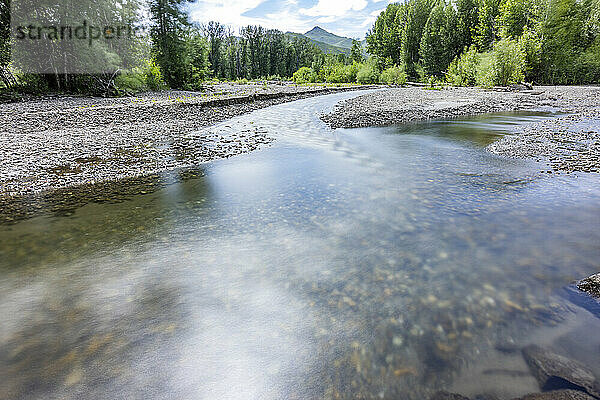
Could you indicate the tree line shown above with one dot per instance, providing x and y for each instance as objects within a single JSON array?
[
  {"x": 489, "y": 42},
  {"x": 175, "y": 53},
  {"x": 464, "y": 42}
]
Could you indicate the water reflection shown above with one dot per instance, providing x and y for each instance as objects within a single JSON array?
[{"x": 372, "y": 263}]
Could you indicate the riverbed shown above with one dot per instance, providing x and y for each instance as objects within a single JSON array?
[{"x": 385, "y": 262}]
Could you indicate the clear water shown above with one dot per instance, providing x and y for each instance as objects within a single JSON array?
[{"x": 367, "y": 263}]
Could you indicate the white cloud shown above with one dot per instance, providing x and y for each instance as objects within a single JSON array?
[
  {"x": 338, "y": 8},
  {"x": 228, "y": 12},
  {"x": 343, "y": 17}
]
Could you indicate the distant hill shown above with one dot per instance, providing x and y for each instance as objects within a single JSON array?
[
  {"x": 321, "y": 35},
  {"x": 326, "y": 41},
  {"x": 325, "y": 48}
]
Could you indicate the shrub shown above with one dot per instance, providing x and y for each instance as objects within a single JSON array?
[
  {"x": 153, "y": 76},
  {"x": 393, "y": 76},
  {"x": 130, "y": 81},
  {"x": 463, "y": 69},
  {"x": 31, "y": 83},
  {"x": 504, "y": 65},
  {"x": 351, "y": 71},
  {"x": 531, "y": 43},
  {"x": 334, "y": 73},
  {"x": 304, "y": 75},
  {"x": 367, "y": 74},
  {"x": 508, "y": 62},
  {"x": 485, "y": 76},
  {"x": 587, "y": 65}
]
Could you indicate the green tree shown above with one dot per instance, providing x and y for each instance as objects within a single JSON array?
[
  {"x": 508, "y": 62},
  {"x": 564, "y": 39},
  {"x": 467, "y": 15},
  {"x": 215, "y": 34},
  {"x": 417, "y": 15},
  {"x": 463, "y": 69},
  {"x": 356, "y": 54},
  {"x": 486, "y": 30},
  {"x": 385, "y": 37},
  {"x": 169, "y": 23},
  {"x": 440, "y": 42},
  {"x": 514, "y": 16},
  {"x": 197, "y": 65}
]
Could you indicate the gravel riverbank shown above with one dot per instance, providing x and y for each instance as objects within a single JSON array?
[
  {"x": 570, "y": 143},
  {"x": 59, "y": 153},
  {"x": 55, "y": 150}
]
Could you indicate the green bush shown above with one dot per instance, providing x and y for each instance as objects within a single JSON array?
[
  {"x": 304, "y": 75},
  {"x": 503, "y": 66},
  {"x": 31, "y": 83},
  {"x": 531, "y": 43},
  {"x": 367, "y": 74},
  {"x": 463, "y": 69},
  {"x": 485, "y": 76},
  {"x": 393, "y": 76},
  {"x": 509, "y": 62},
  {"x": 334, "y": 73},
  {"x": 587, "y": 65},
  {"x": 351, "y": 72},
  {"x": 130, "y": 81},
  {"x": 153, "y": 78}
]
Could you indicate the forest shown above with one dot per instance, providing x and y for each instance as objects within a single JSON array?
[
  {"x": 458, "y": 42},
  {"x": 491, "y": 42}
]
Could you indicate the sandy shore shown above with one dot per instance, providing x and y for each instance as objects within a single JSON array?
[{"x": 570, "y": 143}]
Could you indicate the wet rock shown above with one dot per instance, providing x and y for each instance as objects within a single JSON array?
[
  {"x": 591, "y": 285},
  {"x": 507, "y": 346},
  {"x": 581, "y": 299},
  {"x": 558, "y": 395},
  {"x": 448, "y": 396},
  {"x": 554, "y": 371}
]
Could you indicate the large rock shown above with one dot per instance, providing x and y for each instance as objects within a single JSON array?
[
  {"x": 558, "y": 395},
  {"x": 554, "y": 371},
  {"x": 591, "y": 285}
]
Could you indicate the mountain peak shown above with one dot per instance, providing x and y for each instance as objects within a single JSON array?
[{"x": 317, "y": 29}]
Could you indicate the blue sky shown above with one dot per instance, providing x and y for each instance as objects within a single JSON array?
[{"x": 352, "y": 18}]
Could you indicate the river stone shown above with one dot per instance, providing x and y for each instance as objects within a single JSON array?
[
  {"x": 591, "y": 285},
  {"x": 554, "y": 371},
  {"x": 448, "y": 396},
  {"x": 558, "y": 395}
]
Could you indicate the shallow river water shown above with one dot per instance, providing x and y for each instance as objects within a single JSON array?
[{"x": 365, "y": 263}]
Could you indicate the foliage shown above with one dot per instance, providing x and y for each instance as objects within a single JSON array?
[
  {"x": 531, "y": 43},
  {"x": 304, "y": 75},
  {"x": 393, "y": 76},
  {"x": 356, "y": 53},
  {"x": 130, "y": 81},
  {"x": 4, "y": 33},
  {"x": 508, "y": 62},
  {"x": 543, "y": 41},
  {"x": 169, "y": 22},
  {"x": 367, "y": 74},
  {"x": 153, "y": 78},
  {"x": 486, "y": 30},
  {"x": 417, "y": 15},
  {"x": 439, "y": 43},
  {"x": 463, "y": 69},
  {"x": 485, "y": 76}
]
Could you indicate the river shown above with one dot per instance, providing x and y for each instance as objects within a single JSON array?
[{"x": 363, "y": 263}]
